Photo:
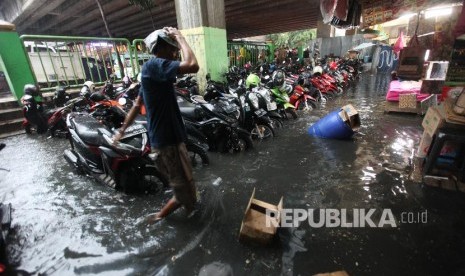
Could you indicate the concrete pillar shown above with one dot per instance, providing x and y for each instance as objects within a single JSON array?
[
  {"x": 203, "y": 24},
  {"x": 323, "y": 30},
  {"x": 14, "y": 60}
]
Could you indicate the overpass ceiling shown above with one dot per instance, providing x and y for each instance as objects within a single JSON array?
[{"x": 244, "y": 18}]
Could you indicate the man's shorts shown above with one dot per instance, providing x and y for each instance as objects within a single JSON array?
[{"x": 174, "y": 162}]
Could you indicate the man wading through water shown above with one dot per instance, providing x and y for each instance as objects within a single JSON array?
[{"x": 164, "y": 122}]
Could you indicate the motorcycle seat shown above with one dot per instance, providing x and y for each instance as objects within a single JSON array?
[
  {"x": 87, "y": 129},
  {"x": 189, "y": 112}
]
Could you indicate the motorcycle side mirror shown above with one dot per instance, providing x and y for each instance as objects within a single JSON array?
[{"x": 122, "y": 101}]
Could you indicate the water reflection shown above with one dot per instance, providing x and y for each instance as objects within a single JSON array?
[{"x": 68, "y": 224}]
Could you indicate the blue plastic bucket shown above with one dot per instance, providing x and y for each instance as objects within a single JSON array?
[{"x": 331, "y": 126}]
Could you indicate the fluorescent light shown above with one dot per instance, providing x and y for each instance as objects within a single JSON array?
[
  {"x": 408, "y": 16},
  {"x": 427, "y": 55},
  {"x": 437, "y": 12}
]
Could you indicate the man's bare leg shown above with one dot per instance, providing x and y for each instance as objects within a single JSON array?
[{"x": 169, "y": 208}]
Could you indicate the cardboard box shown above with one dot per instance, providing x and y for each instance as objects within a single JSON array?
[
  {"x": 254, "y": 228},
  {"x": 425, "y": 143},
  {"x": 451, "y": 116},
  {"x": 432, "y": 121},
  {"x": 350, "y": 115},
  {"x": 440, "y": 182}
]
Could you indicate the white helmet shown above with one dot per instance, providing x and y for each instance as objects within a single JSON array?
[
  {"x": 318, "y": 69},
  {"x": 91, "y": 85},
  {"x": 152, "y": 39}
]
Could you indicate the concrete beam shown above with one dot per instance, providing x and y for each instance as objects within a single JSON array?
[
  {"x": 137, "y": 24},
  {"x": 95, "y": 15},
  {"x": 37, "y": 15},
  {"x": 118, "y": 19},
  {"x": 77, "y": 8},
  {"x": 263, "y": 5}
]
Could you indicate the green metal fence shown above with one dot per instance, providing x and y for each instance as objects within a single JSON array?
[
  {"x": 141, "y": 54},
  {"x": 70, "y": 61},
  {"x": 242, "y": 52}
]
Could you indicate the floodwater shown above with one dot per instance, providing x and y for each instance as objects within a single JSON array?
[{"x": 69, "y": 224}]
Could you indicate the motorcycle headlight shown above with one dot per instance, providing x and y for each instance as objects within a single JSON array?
[{"x": 253, "y": 99}]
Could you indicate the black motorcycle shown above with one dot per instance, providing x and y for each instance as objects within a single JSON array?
[
  {"x": 126, "y": 165},
  {"x": 33, "y": 112},
  {"x": 221, "y": 132},
  {"x": 61, "y": 96},
  {"x": 196, "y": 147},
  {"x": 254, "y": 118}
]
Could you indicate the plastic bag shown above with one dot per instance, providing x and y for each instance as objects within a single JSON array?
[
  {"x": 400, "y": 44},
  {"x": 327, "y": 8}
]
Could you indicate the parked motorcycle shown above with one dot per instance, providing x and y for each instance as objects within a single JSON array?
[
  {"x": 61, "y": 97},
  {"x": 34, "y": 118},
  {"x": 280, "y": 92},
  {"x": 221, "y": 132},
  {"x": 252, "y": 117},
  {"x": 300, "y": 97},
  {"x": 126, "y": 165},
  {"x": 262, "y": 95}
]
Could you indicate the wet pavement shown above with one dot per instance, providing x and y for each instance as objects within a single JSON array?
[{"x": 69, "y": 224}]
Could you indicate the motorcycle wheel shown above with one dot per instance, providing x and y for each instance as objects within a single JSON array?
[
  {"x": 308, "y": 106},
  {"x": 244, "y": 143},
  {"x": 27, "y": 128},
  {"x": 147, "y": 179},
  {"x": 291, "y": 112},
  {"x": 198, "y": 157},
  {"x": 262, "y": 132},
  {"x": 277, "y": 123}
]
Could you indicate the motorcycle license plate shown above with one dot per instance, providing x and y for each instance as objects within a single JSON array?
[
  {"x": 271, "y": 106},
  {"x": 134, "y": 130},
  {"x": 260, "y": 112}
]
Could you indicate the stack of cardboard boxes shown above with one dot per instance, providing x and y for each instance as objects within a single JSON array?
[{"x": 436, "y": 118}]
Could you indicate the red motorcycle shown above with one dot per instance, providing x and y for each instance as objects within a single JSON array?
[{"x": 301, "y": 99}]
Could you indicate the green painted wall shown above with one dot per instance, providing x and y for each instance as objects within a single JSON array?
[
  {"x": 18, "y": 72},
  {"x": 210, "y": 47}
]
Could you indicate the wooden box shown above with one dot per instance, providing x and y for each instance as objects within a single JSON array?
[
  {"x": 254, "y": 228},
  {"x": 420, "y": 108}
]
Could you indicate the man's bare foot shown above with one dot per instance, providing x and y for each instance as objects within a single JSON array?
[{"x": 153, "y": 218}]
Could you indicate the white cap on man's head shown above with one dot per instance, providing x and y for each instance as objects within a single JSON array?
[{"x": 152, "y": 39}]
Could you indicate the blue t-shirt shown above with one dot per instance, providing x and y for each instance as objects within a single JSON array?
[{"x": 165, "y": 123}]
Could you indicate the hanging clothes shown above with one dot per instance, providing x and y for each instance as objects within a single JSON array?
[
  {"x": 327, "y": 8},
  {"x": 399, "y": 45},
  {"x": 353, "y": 16},
  {"x": 342, "y": 9}
]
